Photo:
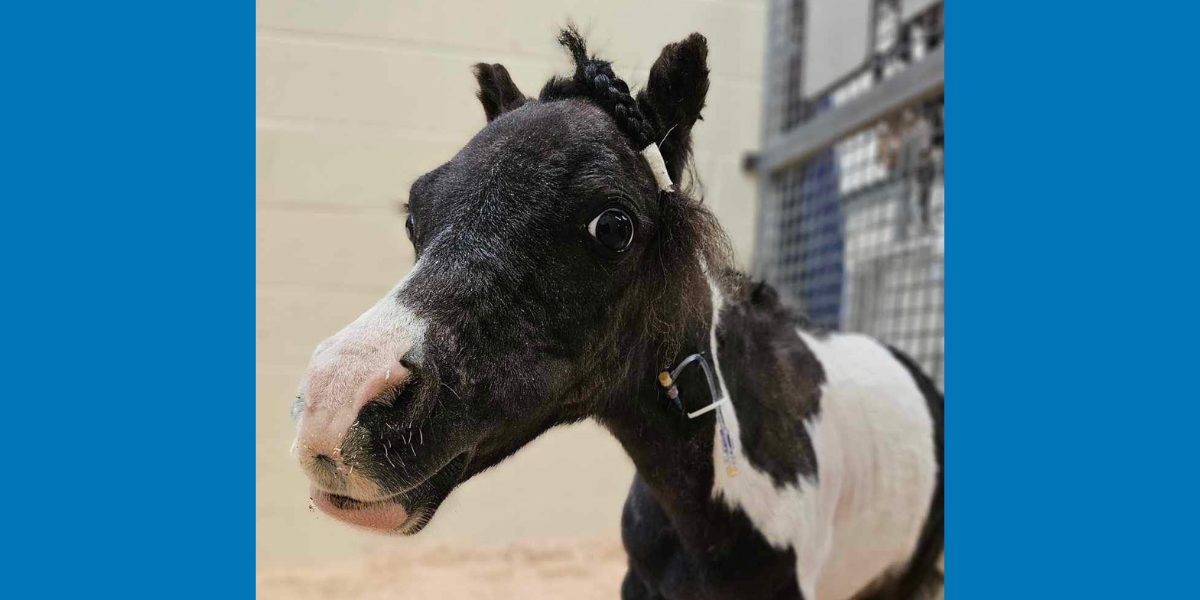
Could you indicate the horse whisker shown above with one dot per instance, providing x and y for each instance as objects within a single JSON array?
[{"x": 386, "y": 455}]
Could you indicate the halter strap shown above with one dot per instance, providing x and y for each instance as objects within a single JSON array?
[{"x": 666, "y": 379}]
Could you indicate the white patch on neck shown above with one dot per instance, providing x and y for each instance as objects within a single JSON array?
[
  {"x": 795, "y": 516},
  {"x": 876, "y": 469}
]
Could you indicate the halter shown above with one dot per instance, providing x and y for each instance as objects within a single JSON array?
[{"x": 666, "y": 379}]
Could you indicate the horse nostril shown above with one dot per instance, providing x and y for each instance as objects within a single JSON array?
[
  {"x": 407, "y": 363},
  {"x": 325, "y": 462}
]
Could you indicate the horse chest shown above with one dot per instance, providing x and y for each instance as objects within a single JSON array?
[{"x": 733, "y": 562}]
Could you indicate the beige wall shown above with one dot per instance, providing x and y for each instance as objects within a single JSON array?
[{"x": 354, "y": 100}]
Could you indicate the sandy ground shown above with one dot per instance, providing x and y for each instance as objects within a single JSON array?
[
  {"x": 554, "y": 568},
  {"x": 550, "y": 568}
]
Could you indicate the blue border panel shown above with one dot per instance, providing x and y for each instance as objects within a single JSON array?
[
  {"x": 127, "y": 234},
  {"x": 128, "y": 242},
  {"x": 1072, "y": 398}
]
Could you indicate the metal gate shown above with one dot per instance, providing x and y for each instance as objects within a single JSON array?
[{"x": 852, "y": 181}]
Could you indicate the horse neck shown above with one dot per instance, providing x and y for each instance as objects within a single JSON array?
[{"x": 673, "y": 454}]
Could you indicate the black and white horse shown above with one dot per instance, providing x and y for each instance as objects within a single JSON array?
[{"x": 560, "y": 276}]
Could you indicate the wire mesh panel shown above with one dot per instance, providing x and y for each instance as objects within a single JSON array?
[
  {"x": 854, "y": 232},
  {"x": 786, "y": 39}
]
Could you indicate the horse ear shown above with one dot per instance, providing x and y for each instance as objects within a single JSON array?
[
  {"x": 674, "y": 96},
  {"x": 497, "y": 92}
]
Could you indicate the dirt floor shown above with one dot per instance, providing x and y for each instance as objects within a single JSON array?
[
  {"x": 583, "y": 569},
  {"x": 551, "y": 568}
]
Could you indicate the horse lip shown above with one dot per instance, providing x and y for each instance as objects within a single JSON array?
[
  {"x": 343, "y": 501},
  {"x": 379, "y": 516},
  {"x": 344, "y": 497},
  {"x": 386, "y": 496}
]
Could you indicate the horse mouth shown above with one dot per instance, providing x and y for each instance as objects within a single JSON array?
[
  {"x": 405, "y": 513},
  {"x": 388, "y": 515}
]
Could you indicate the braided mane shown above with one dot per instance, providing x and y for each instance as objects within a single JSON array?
[{"x": 595, "y": 80}]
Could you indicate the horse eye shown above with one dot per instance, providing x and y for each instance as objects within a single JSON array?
[
  {"x": 613, "y": 228},
  {"x": 408, "y": 226}
]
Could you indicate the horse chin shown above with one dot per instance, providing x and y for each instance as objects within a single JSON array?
[
  {"x": 402, "y": 513},
  {"x": 421, "y": 502}
]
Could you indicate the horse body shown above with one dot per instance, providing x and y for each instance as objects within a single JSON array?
[{"x": 864, "y": 480}]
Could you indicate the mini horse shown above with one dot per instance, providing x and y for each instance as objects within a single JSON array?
[{"x": 561, "y": 275}]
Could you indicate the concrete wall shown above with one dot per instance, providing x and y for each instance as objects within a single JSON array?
[{"x": 356, "y": 99}]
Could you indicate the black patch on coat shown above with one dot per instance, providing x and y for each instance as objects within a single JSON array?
[
  {"x": 727, "y": 559},
  {"x": 773, "y": 380},
  {"x": 921, "y": 577}
]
